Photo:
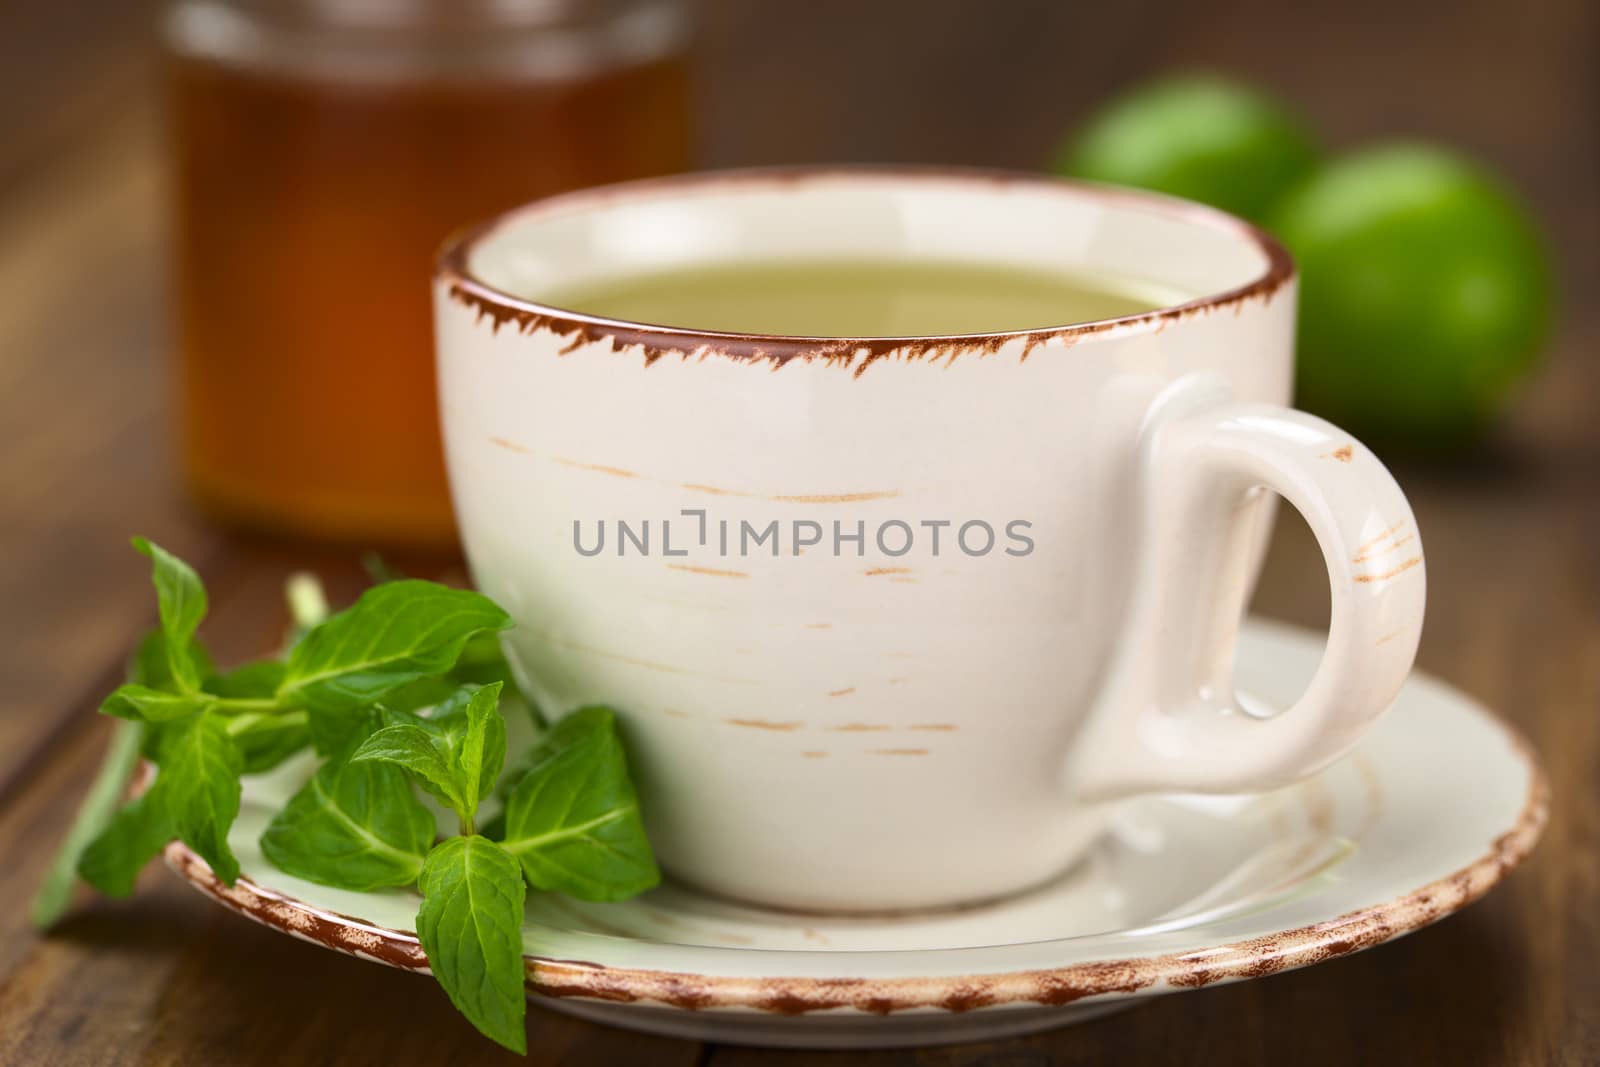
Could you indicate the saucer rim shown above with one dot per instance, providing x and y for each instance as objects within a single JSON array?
[{"x": 796, "y": 995}]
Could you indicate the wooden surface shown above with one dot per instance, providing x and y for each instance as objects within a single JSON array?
[{"x": 1512, "y": 533}]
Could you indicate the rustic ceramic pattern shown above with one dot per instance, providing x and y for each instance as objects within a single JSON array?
[
  {"x": 1185, "y": 892},
  {"x": 858, "y": 729}
]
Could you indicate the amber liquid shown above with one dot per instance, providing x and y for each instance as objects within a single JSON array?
[{"x": 309, "y": 213}]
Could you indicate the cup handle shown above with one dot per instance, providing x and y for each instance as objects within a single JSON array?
[{"x": 1170, "y": 720}]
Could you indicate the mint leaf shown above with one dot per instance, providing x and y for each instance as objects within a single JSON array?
[
  {"x": 336, "y": 731},
  {"x": 151, "y": 665},
  {"x": 456, "y": 752},
  {"x": 95, "y": 814},
  {"x": 396, "y": 633},
  {"x": 114, "y": 845},
  {"x": 470, "y": 926},
  {"x": 113, "y": 860},
  {"x": 573, "y": 820},
  {"x": 422, "y": 693},
  {"x": 414, "y": 749},
  {"x": 138, "y": 703},
  {"x": 482, "y": 662},
  {"x": 199, "y": 787},
  {"x": 252, "y": 681},
  {"x": 181, "y": 599},
  {"x": 353, "y": 826},
  {"x": 267, "y": 739},
  {"x": 476, "y": 735}
]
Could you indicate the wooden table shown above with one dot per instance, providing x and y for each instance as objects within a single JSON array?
[{"x": 1512, "y": 533}]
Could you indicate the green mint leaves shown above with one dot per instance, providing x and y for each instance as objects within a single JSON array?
[
  {"x": 456, "y": 753},
  {"x": 198, "y": 787},
  {"x": 211, "y": 728},
  {"x": 396, "y": 633},
  {"x": 182, "y": 603},
  {"x": 571, "y": 825},
  {"x": 572, "y": 820},
  {"x": 470, "y": 922},
  {"x": 195, "y": 797},
  {"x": 400, "y": 692},
  {"x": 136, "y": 834},
  {"x": 470, "y": 926},
  {"x": 353, "y": 825},
  {"x": 266, "y": 740},
  {"x": 140, "y": 703}
]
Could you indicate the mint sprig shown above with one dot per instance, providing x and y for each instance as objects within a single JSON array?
[
  {"x": 470, "y": 922},
  {"x": 456, "y": 753},
  {"x": 470, "y": 926},
  {"x": 402, "y": 689}
]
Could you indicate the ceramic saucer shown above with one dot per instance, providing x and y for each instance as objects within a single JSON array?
[{"x": 1432, "y": 809}]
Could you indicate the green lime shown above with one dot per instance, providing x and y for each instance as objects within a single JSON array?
[
  {"x": 1425, "y": 293},
  {"x": 1197, "y": 136}
]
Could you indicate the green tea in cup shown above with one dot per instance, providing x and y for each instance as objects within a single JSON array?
[{"x": 862, "y": 298}]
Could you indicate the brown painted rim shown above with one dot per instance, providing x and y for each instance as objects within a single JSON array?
[
  {"x": 784, "y": 995},
  {"x": 455, "y": 275}
]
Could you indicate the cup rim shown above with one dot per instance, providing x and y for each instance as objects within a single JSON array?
[{"x": 453, "y": 271}]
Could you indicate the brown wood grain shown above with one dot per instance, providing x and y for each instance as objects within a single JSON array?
[{"x": 1513, "y": 532}]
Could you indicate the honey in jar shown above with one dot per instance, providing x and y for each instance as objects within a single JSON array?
[{"x": 324, "y": 150}]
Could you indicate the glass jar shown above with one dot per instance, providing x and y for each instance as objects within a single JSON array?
[{"x": 324, "y": 149}]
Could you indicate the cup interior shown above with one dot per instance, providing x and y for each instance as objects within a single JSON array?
[{"x": 1189, "y": 253}]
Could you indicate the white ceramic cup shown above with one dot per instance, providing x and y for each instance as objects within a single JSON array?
[{"x": 852, "y": 727}]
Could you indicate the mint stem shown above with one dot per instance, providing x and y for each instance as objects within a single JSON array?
[
  {"x": 308, "y": 604},
  {"x": 94, "y": 814},
  {"x": 245, "y": 704},
  {"x": 239, "y": 723}
]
